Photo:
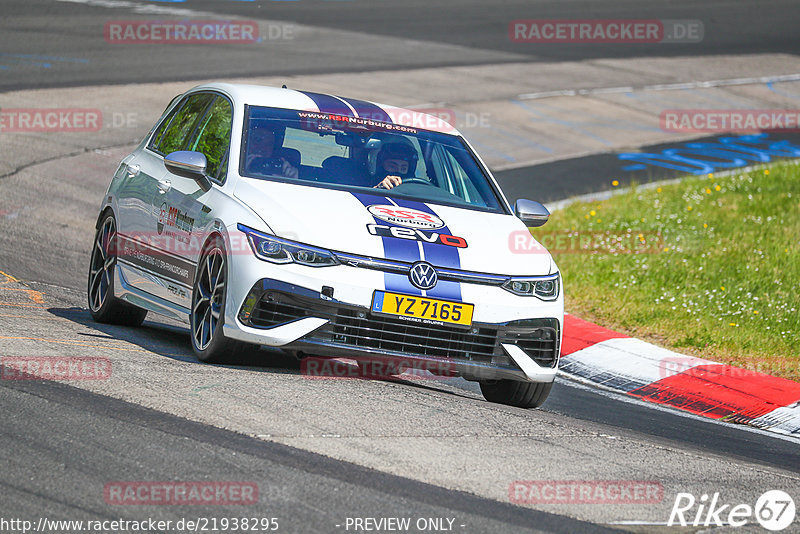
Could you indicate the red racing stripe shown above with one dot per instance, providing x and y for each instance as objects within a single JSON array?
[
  {"x": 720, "y": 391},
  {"x": 579, "y": 334}
]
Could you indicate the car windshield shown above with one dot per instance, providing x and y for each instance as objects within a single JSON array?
[{"x": 340, "y": 152}]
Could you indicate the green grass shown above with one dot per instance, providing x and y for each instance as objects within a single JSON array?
[{"x": 723, "y": 280}]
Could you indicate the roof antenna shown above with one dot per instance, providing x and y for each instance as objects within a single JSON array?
[{"x": 284, "y": 86}]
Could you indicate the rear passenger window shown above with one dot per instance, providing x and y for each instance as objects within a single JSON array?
[
  {"x": 314, "y": 148},
  {"x": 183, "y": 124},
  {"x": 213, "y": 136}
]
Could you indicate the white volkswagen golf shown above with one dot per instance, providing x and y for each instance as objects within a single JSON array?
[{"x": 328, "y": 227}]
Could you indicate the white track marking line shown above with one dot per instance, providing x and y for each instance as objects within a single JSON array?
[{"x": 658, "y": 87}]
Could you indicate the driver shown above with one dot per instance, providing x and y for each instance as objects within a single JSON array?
[
  {"x": 260, "y": 149},
  {"x": 395, "y": 161}
]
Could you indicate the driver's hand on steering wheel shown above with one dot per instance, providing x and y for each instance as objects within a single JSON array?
[
  {"x": 289, "y": 170},
  {"x": 389, "y": 182}
]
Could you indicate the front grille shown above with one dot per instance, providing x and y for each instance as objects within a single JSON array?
[
  {"x": 539, "y": 339},
  {"x": 356, "y": 327},
  {"x": 269, "y": 312},
  {"x": 387, "y": 334}
]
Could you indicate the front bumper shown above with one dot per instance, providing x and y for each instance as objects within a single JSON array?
[{"x": 303, "y": 320}]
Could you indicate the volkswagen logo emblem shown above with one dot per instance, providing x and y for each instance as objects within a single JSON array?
[{"x": 423, "y": 275}]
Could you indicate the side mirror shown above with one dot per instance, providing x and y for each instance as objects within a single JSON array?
[
  {"x": 532, "y": 213},
  {"x": 189, "y": 165}
]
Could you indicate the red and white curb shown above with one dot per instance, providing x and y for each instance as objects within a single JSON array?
[{"x": 595, "y": 354}]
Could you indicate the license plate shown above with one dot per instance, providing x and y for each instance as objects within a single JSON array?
[{"x": 422, "y": 309}]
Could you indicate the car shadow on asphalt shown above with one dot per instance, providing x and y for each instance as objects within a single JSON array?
[{"x": 170, "y": 339}]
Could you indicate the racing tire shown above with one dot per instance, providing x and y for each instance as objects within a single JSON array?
[
  {"x": 207, "y": 314},
  {"x": 103, "y": 305},
  {"x": 515, "y": 393}
]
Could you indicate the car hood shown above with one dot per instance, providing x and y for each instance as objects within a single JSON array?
[{"x": 364, "y": 223}]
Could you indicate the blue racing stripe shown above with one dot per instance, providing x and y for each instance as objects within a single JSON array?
[
  {"x": 368, "y": 110},
  {"x": 438, "y": 255},
  {"x": 329, "y": 104},
  {"x": 408, "y": 250},
  {"x": 400, "y": 282},
  {"x": 394, "y": 249}
]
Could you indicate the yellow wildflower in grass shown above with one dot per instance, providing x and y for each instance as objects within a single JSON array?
[
  {"x": 717, "y": 188},
  {"x": 615, "y": 183}
]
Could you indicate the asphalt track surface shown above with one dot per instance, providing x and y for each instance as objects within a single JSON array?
[
  {"x": 61, "y": 443},
  {"x": 52, "y": 418},
  {"x": 568, "y": 178},
  {"x": 50, "y": 43}
]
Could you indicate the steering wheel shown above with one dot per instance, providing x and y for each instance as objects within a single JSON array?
[
  {"x": 415, "y": 181},
  {"x": 265, "y": 165}
]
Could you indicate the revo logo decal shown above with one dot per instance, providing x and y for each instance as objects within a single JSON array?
[
  {"x": 416, "y": 234},
  {"x": 408, "y": 217}
]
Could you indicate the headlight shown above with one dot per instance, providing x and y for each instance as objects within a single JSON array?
[
  {"x": 276, "y": 250},
  {"x": 543, "y": 287}
]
